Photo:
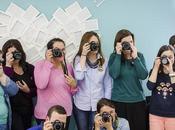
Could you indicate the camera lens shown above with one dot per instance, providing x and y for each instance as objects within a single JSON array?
[
  {"x": 57, "y": 125},
  {"x": 164, "y": 60},
  {"x": 106, "y": 117},
  {"x": 93, "y": 46},
  {"x": 126, "y": 46},
  {"x": 17, "y": 55},
  {"x": 57, "y": 52}
]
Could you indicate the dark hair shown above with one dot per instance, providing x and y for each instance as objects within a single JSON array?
[
  {"x": 161, "y": 50},
  {"x": 122, "y": 34},
  {"x": 85, "y": 39},
  {"x": 104, "y": 102},
  {"x": 172, "y": 40},
  {"x": 57, "y": 108},
  {"x": 14, "y": 43},
  {"x": 52, "y": 41}
]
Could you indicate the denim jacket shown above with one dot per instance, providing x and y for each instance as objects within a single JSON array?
[{"x": 9, "y": 90}]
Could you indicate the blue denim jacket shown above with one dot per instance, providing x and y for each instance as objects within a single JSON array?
[{"x": 9, "y": 90}]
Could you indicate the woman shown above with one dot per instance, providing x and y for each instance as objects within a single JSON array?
[
  {"x": 107, "y": 119},
  {"x": 127, "y": 68},
  {"x": 91, "y": 72},
  {"x": 20, "y": 71},
  {"x": 162, "y": 84},
  {"x": 54, "y": 81},
  {"x": 7, "y": 88}
]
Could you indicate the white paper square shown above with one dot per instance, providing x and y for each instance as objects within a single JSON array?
[
  {"x": 73, "y": 8},
  {"x": 15, "y": 11},
  {"x": 4, "y": 18}
]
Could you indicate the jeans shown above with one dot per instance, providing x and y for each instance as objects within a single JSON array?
[
  {"x": 83, "y": 119},
  {"x": 3, "y": 127}
]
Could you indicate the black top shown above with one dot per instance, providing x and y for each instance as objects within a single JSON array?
[
  {"x": 23, "y": 101},
  {"x": 163, "y": 96}
]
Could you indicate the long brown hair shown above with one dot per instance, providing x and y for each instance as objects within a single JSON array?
[{"x": 85, "y": 39}]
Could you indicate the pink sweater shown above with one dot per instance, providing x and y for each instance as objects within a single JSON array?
[{"x": 51, "y": 88}]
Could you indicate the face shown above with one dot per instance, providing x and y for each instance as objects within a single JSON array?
[
  {"x": 129, "y": 40},
  {"x": 94, "y": 38},
  {"x": 12, "y": 49},
  {"x": 169, "y": 54},
  {"x": 56, "y": 116},
  {"x": 109, "y": 110},
  {"x": 59, "y": 45}
]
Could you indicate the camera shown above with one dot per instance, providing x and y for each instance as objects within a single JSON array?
[
  {"x": 126, "y": 46},
  {"x": 105, "y": 117},
  {"x": 57, "y": 125},
  {"x": 17, "y": 55},
  {"x": 1, "y": 61},
  {"x": 164, "y": 60},
  {"x": 93, "y": 46},
  {"x": 57, "y": 52}
]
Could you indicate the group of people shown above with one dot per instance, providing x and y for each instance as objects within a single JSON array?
[{"x": 101, "y": 94}]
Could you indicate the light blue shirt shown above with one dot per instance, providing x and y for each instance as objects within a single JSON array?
[
  {"x": 93, "y": 85},
  {"x": 122, "y": 124}
]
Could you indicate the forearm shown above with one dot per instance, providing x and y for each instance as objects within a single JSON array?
[{"x": 153, "y": 77}]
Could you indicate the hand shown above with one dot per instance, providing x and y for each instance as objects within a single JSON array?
[
  {"x": 23, "y": 86},
  {"x": 1, "y": 70},
  {"x": 49, "y": 55},
  {"x": 70, "y": 81},
  {"x": 157, "y": 63},
  {"x": 98, "y": 121},
  {"x": 9, "y": 59},
  {"x": 118, "y": 48},
  {"x": 134, "y": 51},
  {"x": 47, "y": 125},
  {"x": 108, "y": 125},
  {"x": 86, "y": 49}
]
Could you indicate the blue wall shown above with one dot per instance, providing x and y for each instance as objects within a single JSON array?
[{"x": 152, "y": 21}]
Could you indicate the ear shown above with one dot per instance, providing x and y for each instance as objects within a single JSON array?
[{"x": 47, "y": 118}]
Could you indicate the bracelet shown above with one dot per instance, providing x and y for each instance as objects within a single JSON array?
[{"x": 172, "y": 75}]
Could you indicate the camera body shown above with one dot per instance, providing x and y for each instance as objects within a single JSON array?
[
  {"x": 57, "y": 125},
  {"x": 93, "y": 46},
  {"x": 164, "y": 60},
  {"x": 126, "y": 46},
  {"x": 17, "y": 55},
  {"x": 57, "y": 52},
  {"x": 105, "y": 117}
]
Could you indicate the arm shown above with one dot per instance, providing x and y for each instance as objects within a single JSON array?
[
  {"x": 42, "y": 73},
  {"x": 10, "y": 87},
  {"x": 114, "y": 65},
  {"x": 140, "y": 67},
  {"x": 107, "y": 84},
  {"x": 8, "y": 71},
  {"x": 79, "y": 72}
]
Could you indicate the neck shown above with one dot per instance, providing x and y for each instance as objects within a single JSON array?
[
  {"x": 127, "y": 56},
  {"x": 57, "y": 63},
  {"x": 16, "y": 64},
  {"x": 92, "y": 56}
]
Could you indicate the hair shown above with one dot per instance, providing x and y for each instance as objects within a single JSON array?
[
  {"x": 52, "y": 41},
  {"x": 172, "y": 40},
  {"x": 14, "y": 43},
  {"x": 104, "y": 102},
  {"x": 57, "y": 108},
  {"x": 163, "y": 49},
  {"x": 85, "y": 39},
  {"x": 122, "y": 34},
  {"x": 0, "y": 51}
]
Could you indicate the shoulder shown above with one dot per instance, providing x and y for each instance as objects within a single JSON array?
[
  {"x": 140, "y": 54},
  {"x": 122, "y": 121},
  {"x": 38, "y": 127}
]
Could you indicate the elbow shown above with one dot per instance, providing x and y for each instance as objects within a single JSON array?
[{"x": 144, "y": 75}]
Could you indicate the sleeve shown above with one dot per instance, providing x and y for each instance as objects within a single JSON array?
[
  {"x": 32, "y": 84},
  {"x": 150, "y": 85},
  {"x": 107, "y": 84},
  {"x": 11, "y": 87},
  {"x": 114, "y": 65},
  {"x": 124, "y": 125},
  {"x": 72, "y": 90},
  {"x": 42, "y": 73},
  {"x": 8, "y": 71},
  {"x": 78, "y": 71},
  {"x": 140, "y": 66}
]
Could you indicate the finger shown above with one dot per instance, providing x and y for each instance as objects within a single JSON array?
[{"x": 24, "y": 83}]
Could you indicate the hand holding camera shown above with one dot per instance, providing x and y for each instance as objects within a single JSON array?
[
  {"x": 118, "y": 48},
  {"x": 103, "y": 120},
  {"x": 86, "y": 49},
  {"x": 167, "y": 64},
  {"x": 49, "y": 55},
  {"x": 94, "y": 46},
  {"x": 9, "y": 59},
  {"x": 56, "y": 125},
  {"x": 23, "y": 86}
]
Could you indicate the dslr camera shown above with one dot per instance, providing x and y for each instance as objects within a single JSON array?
[
  {"x": 164, "y": 60},
  {"x": 57, "y": 52},
  {"x": 17, "y": 55},
  {"x": 93, "y": 46},
  {"x": 105, "y": 117},
  {"x": 126, "y": 46},
  {"x": 57, "y": 125}
]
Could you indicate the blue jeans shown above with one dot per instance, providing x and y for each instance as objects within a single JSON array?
[
  {"x": 3, "y": 127},
  {"x": 83, "y": 119}
]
